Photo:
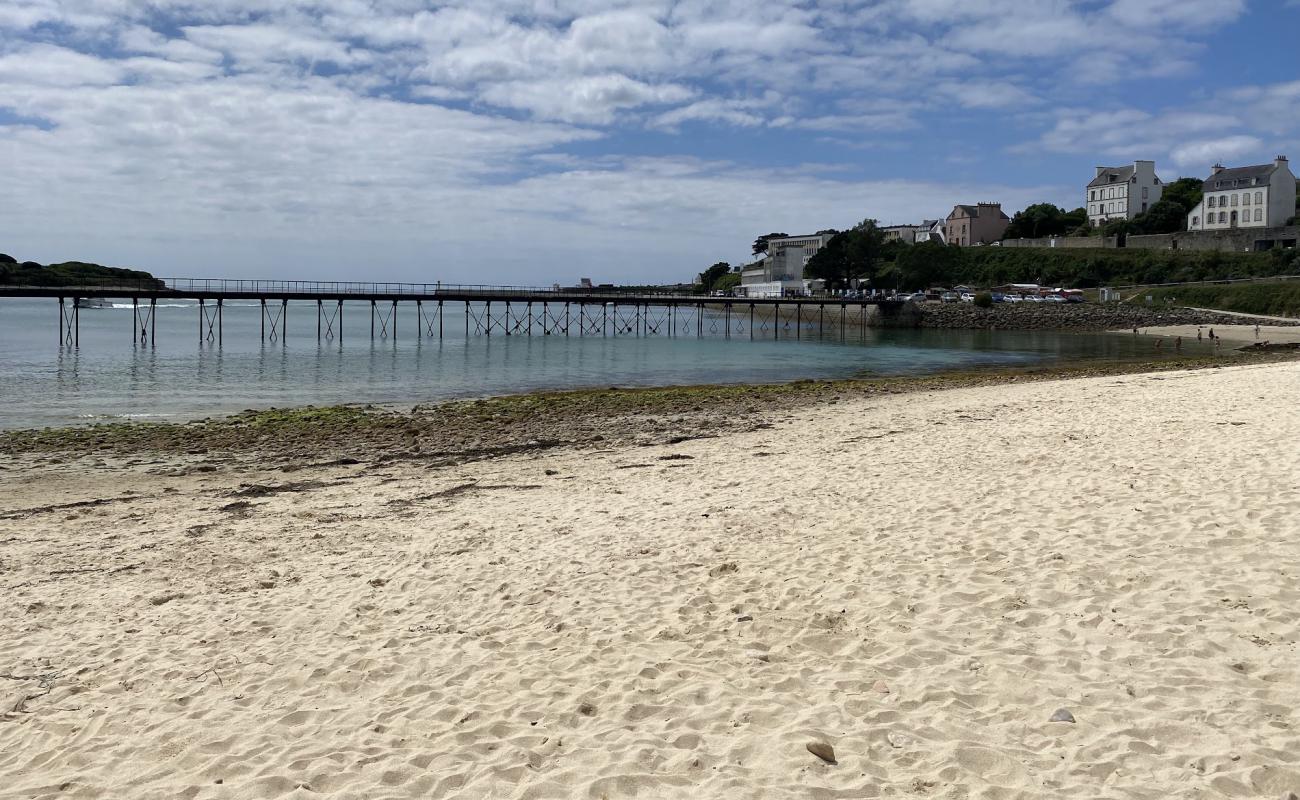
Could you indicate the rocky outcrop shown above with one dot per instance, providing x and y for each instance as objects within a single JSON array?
[{"x": 1052, "y": 316}]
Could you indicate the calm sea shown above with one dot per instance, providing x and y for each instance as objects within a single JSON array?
[{"x": 109, "y": 376}]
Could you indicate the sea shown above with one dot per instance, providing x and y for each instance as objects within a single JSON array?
[{"x": 180, "y": 374}]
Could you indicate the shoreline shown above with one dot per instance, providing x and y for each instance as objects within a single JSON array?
[{"x": 461, "y": 431}]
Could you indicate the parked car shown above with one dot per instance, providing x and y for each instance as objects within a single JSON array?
[
  {"x": 1033, "y": 298},
  {"x": 950, "y": 297},
  {"x": 1054, "y": 298},
  {"x": 967, "y": 297},
  {"x": 1012, "y": 298},
  {"x": 999, "y": 297}
]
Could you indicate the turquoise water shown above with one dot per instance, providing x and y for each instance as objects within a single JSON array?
[{"x": 109, "y": 376}]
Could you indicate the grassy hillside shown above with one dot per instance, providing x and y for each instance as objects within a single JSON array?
[
  {"x": 1280, "y": 299},
  {"x": 69, "y": 273},
  {"x": 990, "y": 266}
]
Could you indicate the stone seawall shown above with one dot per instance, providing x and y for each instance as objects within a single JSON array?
[{"x": 1045, "y": 316}]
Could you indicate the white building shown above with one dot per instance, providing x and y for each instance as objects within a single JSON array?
[
  {"x": 903, "y": 233},
  {"x": 1122, "y": 192},
  {"x": 1245, "y": 197},
  {"x": 782, "y": 267},
  {"x": 933, "y": 231}
]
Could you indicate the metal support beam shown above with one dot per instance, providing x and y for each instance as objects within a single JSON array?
[
  {"x": 70, "y": 323},
  {"x": 145, "y": 325}
]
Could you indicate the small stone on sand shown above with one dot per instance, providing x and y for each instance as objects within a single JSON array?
[
  {"x": 881, "y": 687},
  {"x": 823, "y": 751},
  {"x": 1062, "y": 715},
  {"x": 744, "y": 618},
  {"x": 587, "y": 710}
]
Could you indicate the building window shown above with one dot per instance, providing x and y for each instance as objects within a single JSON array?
[
  {"x": 1259, "y": 214},
  {"x": 1211, "y": 201},
  {"x": 1092, "y": 195},
  {"x": 1234, "y": 200},
  {"x": 1144, "y": 192},
  {"x": 1223, "y": 217},
  {"x": 1259, "y": 198},
  {"x": 1196, "y": 221},
  {"x": 1245, "y": 198}
]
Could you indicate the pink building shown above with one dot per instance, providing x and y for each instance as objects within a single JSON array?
[{"x": 983, "y": 223}]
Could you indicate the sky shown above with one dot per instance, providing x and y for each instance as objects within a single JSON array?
[{"x": 530, "y": 142}]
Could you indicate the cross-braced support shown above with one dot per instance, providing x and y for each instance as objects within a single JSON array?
[
  {"x": 589, "y": 322},
  {"x": 482, "y": 320},
  {"x": 328, "y": 323},
  {"x": 625, "y": 323},
  {"x": 210, "y": 322},
  {"x": 429, "y": 322},
  {"x": 387, "y": 320},
  {"x": 70, "y": 323},
  {"x": 655, "y": 323},
  {"x": 555, "y": 322},
  {"x": 145, "y": 322},
  {"x": 278, "y": 320}
]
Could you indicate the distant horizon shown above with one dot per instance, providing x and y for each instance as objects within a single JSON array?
[{"x": 509, "y": 142}]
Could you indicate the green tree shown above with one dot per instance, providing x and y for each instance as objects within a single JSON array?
[
  {"x": 727, "y": 282},
  {"x": 1044, "y": 219},
  {"x": 1166, "y": 216},
  {"x": 1118, "y": 227},
  {"x": 710, "y": 276},
  {"x": 855, "y": 253},
  {"x": 1186, "y": 192},
  {"x": 760, "y": 244},
  {"x": 929, "y": 264}
]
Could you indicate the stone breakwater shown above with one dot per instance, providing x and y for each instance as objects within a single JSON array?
[{"x": 1079, "y": 317}]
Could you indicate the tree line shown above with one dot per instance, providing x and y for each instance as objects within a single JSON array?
[
  {"x": 861, "y": 256},
  {"x": 68, "y": 273}
]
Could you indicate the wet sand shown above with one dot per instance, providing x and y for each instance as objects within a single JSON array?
[{"x": 920, "y": 580}]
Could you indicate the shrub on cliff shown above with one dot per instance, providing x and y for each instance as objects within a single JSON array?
[{"x": 984, "y": 300}]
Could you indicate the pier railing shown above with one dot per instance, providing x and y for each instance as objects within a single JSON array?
[{"x": 359, "y": 289}]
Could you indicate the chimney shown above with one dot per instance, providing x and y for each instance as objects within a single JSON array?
[
  {"x": 1216, "y": 169},
  {"x": 1280, "y": 162}
]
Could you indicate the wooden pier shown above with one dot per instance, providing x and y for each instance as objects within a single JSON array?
[{"x": 489, "y": 310}]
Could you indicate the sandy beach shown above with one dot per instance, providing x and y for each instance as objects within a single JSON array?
[
  {"x": 1232, "y": 335},
  {"x": 922, "y": 581}
]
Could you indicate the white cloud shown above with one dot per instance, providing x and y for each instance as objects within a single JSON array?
[
  {"x": 1200, "y": 154},
  {"x": 1265, "y": 120},
  {"x": 491, "y": 132},
  {"x": 593, "y": 99}
]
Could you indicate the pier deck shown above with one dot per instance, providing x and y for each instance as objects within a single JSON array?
[{"x": 519, "y": 310}]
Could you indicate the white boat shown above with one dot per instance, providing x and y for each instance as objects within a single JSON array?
[{"x": 94, "y": 302}]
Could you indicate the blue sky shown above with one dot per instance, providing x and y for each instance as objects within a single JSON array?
[{"x": 534, "y": 141}]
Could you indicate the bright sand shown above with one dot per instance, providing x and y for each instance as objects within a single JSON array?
[{"x": 930, "y": 577}]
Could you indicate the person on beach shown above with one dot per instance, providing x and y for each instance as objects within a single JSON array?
[
  {"x": 1211, "y": 334},
  {"x": 1135, "y": 331},
  {"x": 1256, "y": 330},
  {"x": 1178, "y": 343},
  {"x": 1160, "y": 343},
  {"x": 1198, "y": 335}
]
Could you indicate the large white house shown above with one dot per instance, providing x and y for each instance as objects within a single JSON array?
[
  {"x": 1122, "y": 192},
  {"x": 1262, "y": 196},
  {"x": 781, "y": 270}
]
